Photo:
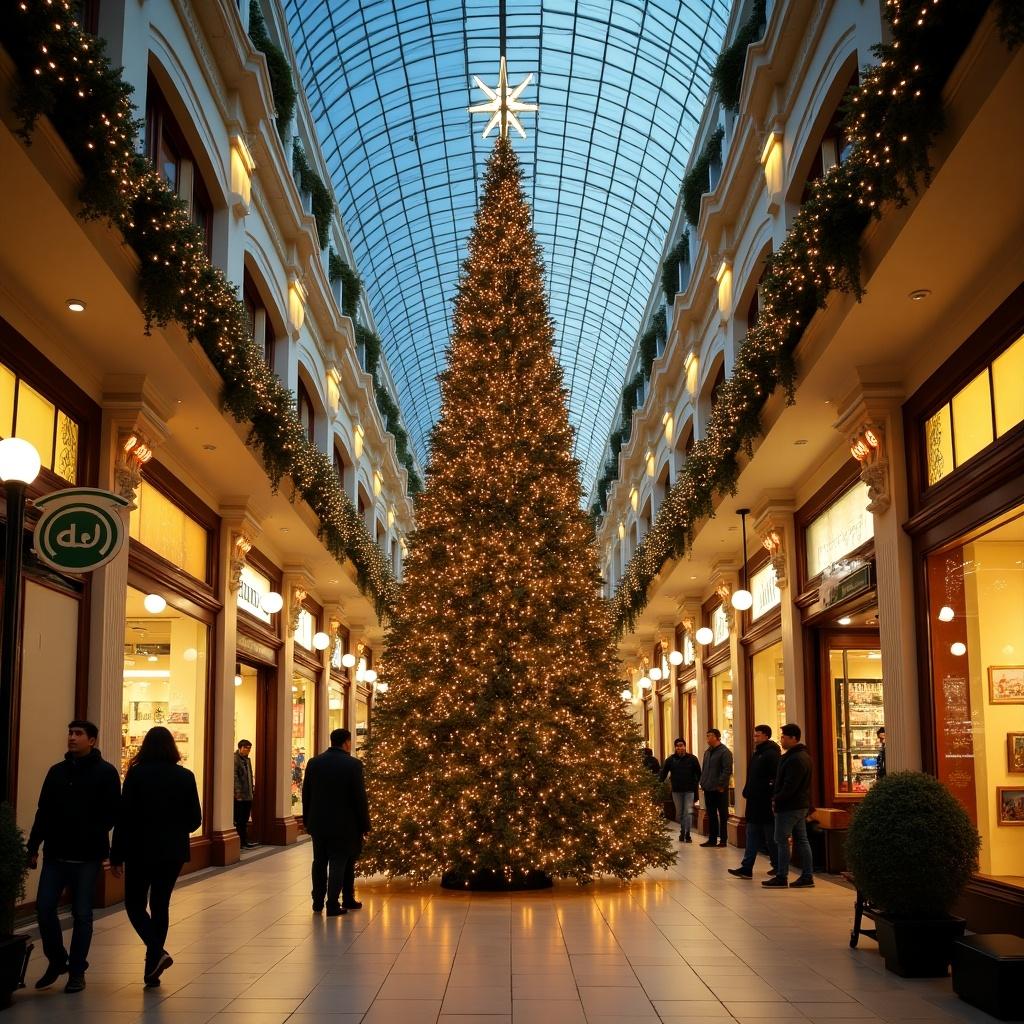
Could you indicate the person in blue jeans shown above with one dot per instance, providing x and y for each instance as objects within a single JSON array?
[
  {"x": 78, "y": 805},
  {"x": 791, "y": 802},
  {"x": 761, "y": 773}
]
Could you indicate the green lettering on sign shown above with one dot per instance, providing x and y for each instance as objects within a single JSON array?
[{"x": 80, "y": 528}]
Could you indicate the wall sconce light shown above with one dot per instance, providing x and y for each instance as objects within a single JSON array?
[
  {"x": 348, "y": 660},
  {"x": 358, "y": 438},
  {"x": 675, "y": 657},
  {"x": 649, "y": 459},
  {"x": 296, "y": 304},
  {"x": 378, "y": 482},
  {"x": 622, "y": 530},
  {"x": 321, "y": 641},
  {"x": 272, "y": 602},
  {"x": 334, "y": 388},
  {"x": 242, "y": 168},
  {"x": 634, "y": 498},
  {"x": 864, "y": 445},
  {"x": 771, "y": 163},
  {"x": 669, "y": 421},
  {"x": 134, "y": 447},
  {"x": 704, "y": 635},
  {"x": 724, "y": 278}
]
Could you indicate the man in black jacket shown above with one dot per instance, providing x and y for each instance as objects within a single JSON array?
[
  {"x": 336, "y": 815},
  {"x": 685, "y": 771},
  {"x": 792, "y": 801},
  {"x": 78, "y": 806},
  {"x": 761, "y": 772}
]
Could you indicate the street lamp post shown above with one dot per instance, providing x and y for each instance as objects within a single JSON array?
[{"x": 19, "y": 466}]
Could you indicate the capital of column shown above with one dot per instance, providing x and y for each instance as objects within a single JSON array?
[
  {"x": 136, "y": 414},
  {"x": 773, "y": 521},
  {"x": 298, "y": 582},
  {"x": 242, "y": 524}
]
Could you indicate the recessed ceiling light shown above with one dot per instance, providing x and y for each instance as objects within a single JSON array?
[
  {"x": 918, "y": 294},
  {"x": 76, "y": 305},
  {"x": 845, "y": 620},
  {"x": 209, "y": 447},
  {"x": 693, "y": 577},
  {"x": 800, "y": 441},
  {"x": 284, "y": 529}
]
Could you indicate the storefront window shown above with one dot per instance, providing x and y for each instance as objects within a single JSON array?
[
  {"x": 722, "y": 707},
  {"x": 840, "y": 529},
  {"x": 25, "y": 413},
  {"x": 335, "y": 705},
  {"x": 303, "y": 734},
  {"x": 362, "y": 723},
  {"x": 306, "y": 629},
  {"x": 245, "y": 711},
  {"x": 976, "y": 628},
  {"x": 165, "y": 674},
  {"x": 720, "y": 625},
  {"x": 857, "y": 715},
  {"x": 165, "y": 528},
  {"x": 769, "y": 688}
]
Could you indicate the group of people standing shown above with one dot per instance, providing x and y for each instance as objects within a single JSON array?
[
  {"x": 152, "y": 816},
  {"x": 777, "y": 794}
]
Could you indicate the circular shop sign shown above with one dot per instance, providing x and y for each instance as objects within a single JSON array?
[{"x": 80, "y": 529}]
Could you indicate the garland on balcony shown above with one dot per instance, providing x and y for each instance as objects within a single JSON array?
[
  {"x": 281, "y": 85},
  {"x": 698, "y": 179},
  {"x": 311, "y": 182},
  {"x": 66, "y": 77},
  {"x": 351, "y": 283},
  {"x": 892, "y": 117},
  {"x": 727, "y": 75},
  {"x": 678, "y": 255}
]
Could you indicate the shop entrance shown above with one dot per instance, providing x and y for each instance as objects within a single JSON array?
[{"x": 254, "y": 722}]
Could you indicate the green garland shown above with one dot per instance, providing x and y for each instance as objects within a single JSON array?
[
  {"x": 90, "y": 107},
  {"x": 727, "y": 75},
  {"x": 678, "y": 255},
  {"x": 281, "y": 85},
  {"x": 351, "y": 283},
  {"x": 893, "y": 116},
  {"x": 698, "y": 178},
  {"x": 323, "y": 198}
]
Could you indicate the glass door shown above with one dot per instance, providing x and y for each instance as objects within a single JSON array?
[{"x": 857, "y": 715}]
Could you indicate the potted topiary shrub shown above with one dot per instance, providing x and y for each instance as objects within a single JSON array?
[
  {"x": 14, "y": 949},
  {"x": 912, "y": 849}
]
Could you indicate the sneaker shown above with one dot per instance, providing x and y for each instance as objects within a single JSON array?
[
  {"x": 687, "y": 839},
  {"x": 351, "y": 905},
  {"x": 709, "y": 842},
  {"x": 775, "y": 883},
  {"x": 740, "y": 873},
  {"x": 335, "y": 910},
  {"x": 159, "y": 967},
  {"x": 802, "y": 882},
  {"x": 51, "y": 974},
  {"x": 250, "y": 846},
  {"x": 722, "y": 845},
  {"x": 76, "y": 982}
]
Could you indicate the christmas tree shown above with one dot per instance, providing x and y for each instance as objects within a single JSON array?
[{"x": 502, "y": 751}]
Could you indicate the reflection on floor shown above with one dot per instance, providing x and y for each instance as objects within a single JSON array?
[{"x": 688, "y": 945}]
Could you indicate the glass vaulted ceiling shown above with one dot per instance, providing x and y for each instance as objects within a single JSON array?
[{"x": 621, "y": 85}]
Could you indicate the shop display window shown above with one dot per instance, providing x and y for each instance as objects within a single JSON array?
[
  {"x": 843, "y": 527},
  {"x": 722, "y": 707},
  {"x": 335, "y": 705},
  {"x": 245, "y": 712},
  {"x": 976, "y": 637},
  {"x": 649, "y": 721},
  {"x": 168, "y": 530},
  {"x": 362, "y": 724},
  {"x": 165, "y": 678},
  {"x": 857, "y": 715},
  {"x": 769, "y": 688},
  {"x": 305, "y": 629},
  {"x": 25, "y": 413},
  {"x": 303, "y": 734}
]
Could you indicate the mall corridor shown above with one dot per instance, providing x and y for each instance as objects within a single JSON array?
[{"x": 690, "y": 944}]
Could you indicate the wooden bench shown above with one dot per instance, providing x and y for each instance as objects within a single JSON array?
[{"x": 861, "y": 908}]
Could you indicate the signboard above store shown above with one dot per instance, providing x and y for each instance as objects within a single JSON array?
[
  {"x": 252, "y": 588},
  {"x": 840, "y": 529},
  {"x": 80, "y": 529},
  {"x": 765, "y": 591}
]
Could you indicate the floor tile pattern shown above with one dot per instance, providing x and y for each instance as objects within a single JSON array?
[{"x": 678, "y": 947}]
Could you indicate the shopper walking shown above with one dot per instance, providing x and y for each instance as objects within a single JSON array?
[
  {"x": 758, "y": 790},
  {"x": 792, "y": 801},
  {"x": 159, "y": 810},
  {"x": 650, "y": 761},
  {"x": 244, "y": 791},
  {"x": 336, "y": 815},
  {"x": 715, "y": 776},
  {"x": 78, "y": 805},
  {"x": 684, "y": 770},
  {"x": 880, "y": 771}
]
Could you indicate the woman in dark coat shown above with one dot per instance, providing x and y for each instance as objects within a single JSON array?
[{"x": 159, "y": 810}]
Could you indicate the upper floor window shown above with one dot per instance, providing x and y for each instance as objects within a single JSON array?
[
  {"x": 261, "y": 327},
  {"x": 339, "y": 466},
  {"x": 27, "y": 414},
  {"x": 977, "y": 415},
  {"x": 835, "y": 146},
  {"x": 164, "y": 527},
  {"x": 716, "y": 387},
  {"x": 306, "y": 413},
  {"x": 89, "y": 16},
  {"x": 170, "y": 155}
]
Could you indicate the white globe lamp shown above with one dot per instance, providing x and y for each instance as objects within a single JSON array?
[
  {"x": 272, "y": 602},
  {"x": 704, "y": 635},
  {"x": 154, "y": 604}
]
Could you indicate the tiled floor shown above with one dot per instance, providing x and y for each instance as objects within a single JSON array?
[{"x": 683, "y": 946}]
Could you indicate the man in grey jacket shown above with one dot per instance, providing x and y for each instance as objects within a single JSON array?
[
  {"x": 715, "y": 776},
  {"x": 243, "y": 793}
]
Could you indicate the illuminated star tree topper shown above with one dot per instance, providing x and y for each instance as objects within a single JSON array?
[{"x": 504, "y": 103}]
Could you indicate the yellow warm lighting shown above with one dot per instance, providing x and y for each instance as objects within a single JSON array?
[
  {"x": 334, "y": 389},
  {"x": 622, "y": 531},
  {"x": 771, "y": 161},
  {"x": 690, "y": 367},
  {"x": 358, "y": 437},
  {"x": 724, "y": 278},
  {"x": 650, "y": 463},
  {"x": 378, "y": 483},
  {"x": 242, "y": 167},
  {"x": 391, "y": 516},
  {"x": 670, "y": 426},
  {"x": 297, "y": 304},
  {"x": 634, "y": 498}
]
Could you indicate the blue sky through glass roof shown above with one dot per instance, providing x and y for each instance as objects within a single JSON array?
[{"x": 621, "y": 85}]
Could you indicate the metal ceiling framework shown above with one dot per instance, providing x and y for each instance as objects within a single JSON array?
[{"x": 621, "y": 86}]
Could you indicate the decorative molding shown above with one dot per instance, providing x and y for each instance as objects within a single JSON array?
[
  {"x": 297, "y": 596},
  {"x": 134, "y": 450},
  {"x": 241, "y": 545}
]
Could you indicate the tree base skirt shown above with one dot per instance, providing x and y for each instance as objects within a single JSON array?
[{"x": 489, "y": 880}]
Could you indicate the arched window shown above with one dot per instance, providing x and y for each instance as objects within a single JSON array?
[
  {"x": 261, "y": 326},
  {"x": 340, "y": 466},
  {"x": 716, "y": 386},
  {"x": 835, "y": 146},
  {"x": 306, "y": 411},
  {"x": 171, "y": 156}
]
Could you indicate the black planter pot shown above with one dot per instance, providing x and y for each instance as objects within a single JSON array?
[
  {"x": 918, "y": 947},
  {"x": 14, "y": 954}
]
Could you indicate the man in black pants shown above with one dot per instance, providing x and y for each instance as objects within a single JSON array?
[
  {"x": 336, "y": 815},
  {"x": 243, "y": 793},
  {"x": 78, "y": 806},
  {"x": 715, "y": 776}
]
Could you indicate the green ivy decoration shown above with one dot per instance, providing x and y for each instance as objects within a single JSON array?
[
  {"x": 892, "y": 118},
  {"x": 311, "y": 182},
  {"x": 65, "y": 76},
  {"x": 698, "y": 179},
  {"x": 351, "y": 283},
  {"x": 727, "y": 75},
  {"x": 281, "y": 85}
]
